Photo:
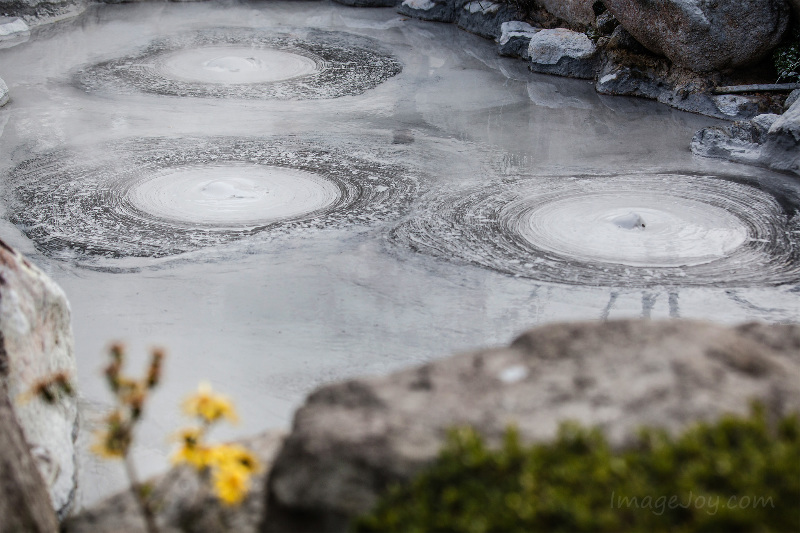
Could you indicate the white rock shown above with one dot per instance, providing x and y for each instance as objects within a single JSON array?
[
  {"x": 730, "y": 104},
  {"x": 482, "y": 7},
  {"x": 422, "y": 5},
  {"x": 516, "y": 28},
  {"x": 548, "y": 47},
  {"x": 37, "y": 338},
  {"x": 12, "y": 26}
]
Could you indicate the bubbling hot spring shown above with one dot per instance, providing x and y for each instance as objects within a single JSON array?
[
  {"x": 160, "y": 197},
  {"x": 240, "y": 63},
  {"x": 634, "y": 230}
]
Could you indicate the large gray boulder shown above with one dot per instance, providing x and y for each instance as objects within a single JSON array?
[
  {"x": 36, "y": 336},
  {"x": 184, "y": 503},
  {"x": 705, "y": 35},
  {"x": 767, "y": 140},
  {"x": 575, "y": 12},
  {"x": 352, "y": 440}
]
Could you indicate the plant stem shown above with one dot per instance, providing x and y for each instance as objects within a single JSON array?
[{"x": 141, "y": 500}]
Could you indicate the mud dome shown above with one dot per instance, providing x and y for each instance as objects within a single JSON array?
[
  {"x": 637, "y": 230},
  {"x": 159, "y": 197},
  {"x": 247, "y": 64}
]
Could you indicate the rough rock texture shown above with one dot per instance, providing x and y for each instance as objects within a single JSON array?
[
  {"x": 575, "y": 12},
  {"x": 350, "y": 441},
  {"x": 434, "y": 10},
  {"x": 368, "y": 3},
  {"x": 767, "y": 140},
  {"x": 792, "y": 98},
  {"x": 515, "y": 36},
  {"x": 13, "y": 31},
  {"x": 564, "y": 53},
  {"x": 705, "y": 35},
  {"x": 185, "y": 503},
  {"x": 624, "y": 73},
  {"x": 12, "y": 25},
  {"x": 3, "y": 93},
  {"x": 36, "y": 12},
  {"x": 485, "y": 18},
  {"x": 24, "y": 501},
  {"x": 37, "y": 338}
]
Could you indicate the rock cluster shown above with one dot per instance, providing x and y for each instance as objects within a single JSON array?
[
  {"x": 36, "y": 337},
  {"x": 36, "y": 12},
  {"x": 607, "y": 47},
  {"x": 352, "y": 440},
  {"x": 767, "y": 140}
]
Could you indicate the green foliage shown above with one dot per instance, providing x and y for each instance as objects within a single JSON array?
[
  {"x": 787, "y": 57},
  {"x": 740, "y": 474}
]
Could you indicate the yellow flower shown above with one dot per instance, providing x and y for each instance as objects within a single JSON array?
[
  {"x": 209, "y": 406},
  {"x": 192, "y": 451},
  {"x": 233, "y": 456},
  {"x": 231, "y": 484}
]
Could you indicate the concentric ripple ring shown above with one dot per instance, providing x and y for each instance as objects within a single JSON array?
[
  {"x": 632, "y": 230},
  {"x": 242, "y": 63},
  {"x": 157, "y": 197}
]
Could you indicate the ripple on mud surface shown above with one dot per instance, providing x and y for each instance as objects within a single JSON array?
[
  {"x": 637, "y": 230},
  {"x": 161, "y": 197},
  {"x": 247, "y": 64}
]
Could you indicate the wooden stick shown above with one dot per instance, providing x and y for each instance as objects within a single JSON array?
[{"x": 777, "y": 87}]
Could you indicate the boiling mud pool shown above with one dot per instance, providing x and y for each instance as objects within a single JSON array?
[{"x": 284, "y": 194}]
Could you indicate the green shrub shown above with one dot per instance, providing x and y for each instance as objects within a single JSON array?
[
  {"x": 740, "y": 474},
  {"x": 787, "y": 57}
]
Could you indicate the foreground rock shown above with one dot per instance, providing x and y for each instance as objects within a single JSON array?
[
  {"x": 705, "y": 36},
  {"x": 24, "y": 501},
  {"x": 352, "y": 440},
  {"x": 37, "y": 342},
  {"x": 768, "y": 140},
  {"x": 184, "y": 503}
]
